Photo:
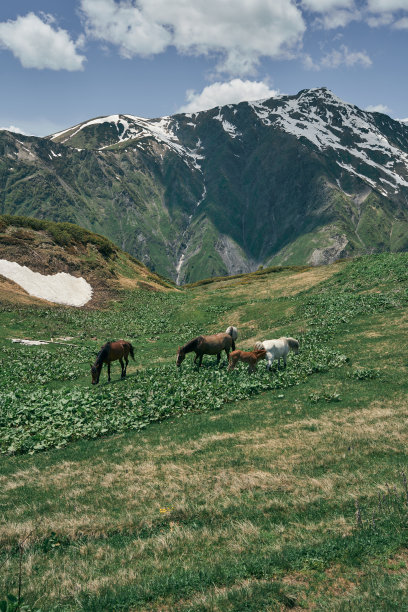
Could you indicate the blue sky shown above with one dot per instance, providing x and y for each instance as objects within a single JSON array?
[{"x": 66, "y": 61}]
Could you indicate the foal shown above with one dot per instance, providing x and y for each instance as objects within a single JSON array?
[{"x": 249, "y": 357}]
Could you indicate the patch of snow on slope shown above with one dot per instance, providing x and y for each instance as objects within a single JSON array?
[
  {"x": 227, "y": 126},
  {"x": 131, "y": 127},
  {"x": 350, "y": 169},
  {"x": 61, "y": 288}
]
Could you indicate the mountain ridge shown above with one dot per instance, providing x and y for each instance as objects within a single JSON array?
[{"x": 286, "y": 180}]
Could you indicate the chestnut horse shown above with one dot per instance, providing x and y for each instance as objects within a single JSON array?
[
  {"x": 249, "y": 357},
  {"x": 111, "y": 351},
  {"x": 206, "y": 345}
]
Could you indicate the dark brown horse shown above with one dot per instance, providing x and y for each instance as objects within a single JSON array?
[
  {"x": 111, "y": 351},
  {"x": 206, "y": 345}
]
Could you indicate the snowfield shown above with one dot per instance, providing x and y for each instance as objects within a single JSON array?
[{"x": 61, "y": 288}]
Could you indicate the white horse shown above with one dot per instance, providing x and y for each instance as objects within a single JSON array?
[
  {"x": 275, "y": 349},
  {"x": 232, "y": 331}
]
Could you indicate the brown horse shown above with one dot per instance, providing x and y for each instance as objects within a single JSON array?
[
  {"x": 249, "y": 357},
  {"x": 111, "y": 351},
  {"x": 206, "y": 345}
]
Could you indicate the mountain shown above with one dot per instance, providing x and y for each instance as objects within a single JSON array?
[{"x": 288, "y": 180}]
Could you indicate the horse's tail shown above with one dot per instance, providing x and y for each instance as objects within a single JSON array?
[{"x": 132, "y": 354}]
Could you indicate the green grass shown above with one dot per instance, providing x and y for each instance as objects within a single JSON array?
[{"x": 234, "y": 493}]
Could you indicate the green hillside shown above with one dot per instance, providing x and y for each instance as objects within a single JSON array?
[
  {"x": 48, "y": 247},
  {"x": 178, "y": 489}
]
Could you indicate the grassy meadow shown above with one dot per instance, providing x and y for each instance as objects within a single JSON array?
[{"x": 187, "y": 490}]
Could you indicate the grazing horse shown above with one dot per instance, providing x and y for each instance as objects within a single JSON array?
[
  {"x": 111, "y": 351},
  {"x": 233, "y": 332},
  {"x": 206, "y": 345},
  {"x": 249, "y": 357},
  {"x": 275, "y": 349}
]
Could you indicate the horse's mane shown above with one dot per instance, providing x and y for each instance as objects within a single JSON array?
[
  {"x": 192, "y": 345},
  {"x": 104, "y": 352}
]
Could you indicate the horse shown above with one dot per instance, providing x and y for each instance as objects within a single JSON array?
[
  {"x": 111, "y": 351},
  {"x": 233, "y": 332},
  {"x": 249, "y": 357},
  {"x": 206, "y": 345},
  {"x": 275, "y": 349}
]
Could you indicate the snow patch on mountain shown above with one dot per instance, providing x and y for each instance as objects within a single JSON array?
[
  {"x": 61, "y": 288},
  {"x": 133, "y": 128},
  {"x": 329, "y": 123},
  {"x": 227, "y": 126}
]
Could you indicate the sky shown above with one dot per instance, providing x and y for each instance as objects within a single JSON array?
[{"x": 66, "y": 61}]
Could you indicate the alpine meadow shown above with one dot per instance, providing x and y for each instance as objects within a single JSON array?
[{"x": 197, "y": 488}]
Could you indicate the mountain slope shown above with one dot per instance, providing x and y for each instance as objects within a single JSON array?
[
  {"x": 292, "y": 179},
  {"x": 49, "y": 248}
]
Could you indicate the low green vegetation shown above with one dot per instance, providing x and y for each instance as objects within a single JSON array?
[
  {"x": 63, "y": 234},
  {"x": 198, "y": 490}
]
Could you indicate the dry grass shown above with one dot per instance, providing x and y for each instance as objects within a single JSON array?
[
  {"x": 146, "y": 479},
  {"x": 278, "y": 285}
]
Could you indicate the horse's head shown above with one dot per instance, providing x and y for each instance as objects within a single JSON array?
[
  {"x": 95, "y": 374},
  {"x": 180, "y": 357},
  {"x": 293, "y": 345}
]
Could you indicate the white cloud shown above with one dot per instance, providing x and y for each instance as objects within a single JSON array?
[
  {"x": 325, "y": 6},
  {"x": 402, "y": 24},
  {"x": 308, "y": 62},
  {"x": 37, "y": 44},
  {"x": 332, "y": 13},
  {"x": 338, "y": 57},
  {"x": 345, "y": 57},
  {"x": 386, "y": 6},
  {"x": 230, "y": 92},
  {"x": 378, "y": 108},
  {"x": 238, "y": 32},
  {"x": 126, "y": 26},
  {"x": 380, "y": 20},
  {"x": 338, "y": 19},
  {"x": 13, "y": 128}
]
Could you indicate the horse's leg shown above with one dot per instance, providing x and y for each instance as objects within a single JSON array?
[
  {"x": 200, "y": 360},
  {"x": 270, "y": 362},
  {"x": 123, "y": 368},
  {"x": 284, "y": 361},
  {"x": 231, "y": 365},
  {"x": 126, "y": 364},
  {"x": 218, "y": 358},
  {"x": 108, "y": 371}
]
